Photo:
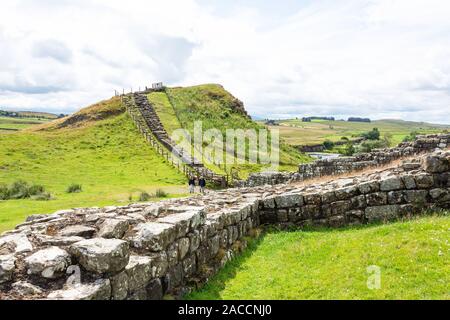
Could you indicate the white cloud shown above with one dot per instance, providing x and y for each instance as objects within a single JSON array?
[{"x": 384, "y": 58}]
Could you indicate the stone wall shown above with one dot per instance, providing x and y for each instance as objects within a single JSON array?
[
  {"x": 341, "y": 165},
  {"x": 146, "y": 251}
]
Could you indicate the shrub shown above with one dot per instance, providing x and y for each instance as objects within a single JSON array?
[
  {"x": 348, "y": 149},
  {"x": 21, "y": 190},
  {"x": 4, "y": 192},
  {"x": 369, "y": 145},
  {"x": 372, "y": 135},
  {"x": 328, "y": 145},
  {"x": 144, "y": 196},
  {"x": 411, "y": 137},
  {"x": 160, "y": 193},
  {"x": 74, "y": 188},
  {"x": 36, "y": 189}
]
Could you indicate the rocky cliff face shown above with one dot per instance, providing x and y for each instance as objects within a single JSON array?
[{"x": 145, "y": 251}]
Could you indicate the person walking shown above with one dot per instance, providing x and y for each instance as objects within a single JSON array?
[
  {"x": 202, "y": 184},
  {"x": 191, "y": 183}
]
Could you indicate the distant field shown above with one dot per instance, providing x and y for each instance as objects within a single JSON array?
[
  {"x": 108, "y": 157},
  {"x": 8, "y": 124},
  {"x": 296, "y": 132},
  {"x": 413, "y": 258}
]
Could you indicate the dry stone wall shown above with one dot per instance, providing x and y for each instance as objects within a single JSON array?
[
  {"x": 341, "y": 165},
  {"x": 149, "y": 250}
]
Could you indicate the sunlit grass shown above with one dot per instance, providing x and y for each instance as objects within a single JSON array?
[{"x": 413, "y": 257}]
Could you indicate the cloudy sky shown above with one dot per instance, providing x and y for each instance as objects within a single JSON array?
[{"x": 376, "y": 58}]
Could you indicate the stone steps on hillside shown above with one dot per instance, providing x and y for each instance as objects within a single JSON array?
[{"x": 149, "y": 122}]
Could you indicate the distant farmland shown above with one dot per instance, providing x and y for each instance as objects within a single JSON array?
[{"x": 296, "y": 132}]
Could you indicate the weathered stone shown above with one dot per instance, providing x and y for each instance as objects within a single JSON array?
[
  {"x": 23, "y": 288},
  {"x": 416, "y": 196},
  {"x": 288, "y": 200},
  {"x": 213, "y": 245},
  {"x": 440, "y": 195},
  {"x": 98, "y": 290},
  {"x": 185, "y": 221},
  {"x": 312, "y": 199},
  {"x": 282, "y": 215},
  {"x": 340, "y": 207},
  {"x": 183, "y": 247},
  {"x": 153, "y": 236},
  {"x": 346, "y": 193},
  {"x": 175, "y": 276},
  {"x": 390, "y": 184},
  {"x": 328, "y": 197},
  {"x": 155, "y": 290},
  {"x": 269, "y": 203},
  {"x": 57, "y": 240},
  {"x": 194, "y": 240},
  {"x": 359, "y": 202},
  {"x": 17, "y": 243},
  {"x": 119, "y": 286},
  {"x": 336, "y": 221},
  {"x": 189, "y": 266},
  {"x": 101, "y": 255},
  {"x": 78, "y": 231},
  {"x": 113, "y": 228},
  {"x": 369, "y": 186},
  {"x": 396, "y": 197},
  {"x": 139, "y": 272},
  {"x": 382, "y": 213},
  {"x": 172, "y": 254},
  {"x": 159, "y": 264},
  {"x": 49, "y": 263},
  {"x": 436, "y": 163},
  {"x": 424, "y": 181},
  {"x": 7, "y": 266},
  {"x": 409, "y": 181},
  {"x": 310, "y": 211},
  {"x": 376, "y": 199},
  {"x": 138, "y": 295}
]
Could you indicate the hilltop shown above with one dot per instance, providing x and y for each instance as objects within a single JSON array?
[{"x": 217, "y": 109}]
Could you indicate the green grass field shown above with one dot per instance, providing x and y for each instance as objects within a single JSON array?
[
  {"x": 413, "y": 257},
  {"x": 296, "y": 132},
  {"x": 216, "y": 109},
  {"x": 108, "y": 157},
  {"x": 14, "y": 124}
]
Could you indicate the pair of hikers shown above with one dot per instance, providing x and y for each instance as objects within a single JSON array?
[{"x": 201, "y": 184}]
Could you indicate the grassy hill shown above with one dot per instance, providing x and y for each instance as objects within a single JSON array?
[
  {"x": 217, "y": 109},
  {"x": 97, "y": 147},
  {"x": 296, "y": 132},
  {"x": 413, "y": 258}
]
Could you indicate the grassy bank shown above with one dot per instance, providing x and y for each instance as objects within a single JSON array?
[{"x": 413, "y": 258}]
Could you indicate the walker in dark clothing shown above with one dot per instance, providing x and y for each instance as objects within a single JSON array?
[
  {"x": 191, "y": 183},
  {"x": 202, "y": 184}
]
